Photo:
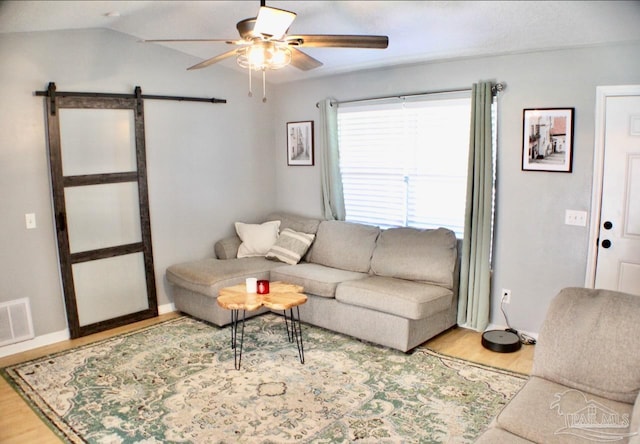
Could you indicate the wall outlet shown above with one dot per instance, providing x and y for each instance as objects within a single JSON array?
[
  {"x": 574, "y": 217},
  {"x": 506, "y": 296}
]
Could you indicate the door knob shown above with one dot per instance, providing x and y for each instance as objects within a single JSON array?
[
  {"x": 608, "y": 225},
  {"x": 606, "y": 243}
]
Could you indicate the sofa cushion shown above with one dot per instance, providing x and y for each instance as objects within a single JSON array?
[
  {"x": 208, "y": 276},
  {"x": 495, "y": 435},
  {"x": 257, "y": 238},
  {"x": 417, "y": 255},
  {"x": 408, "y": 299},
  {"x": 589, "y": 341},
  {"x": 290, "y": 247},
  {"x": 635, "y": 422},
  {"x": 315, "y": 279},
  {"x": 295, "y": 222},
  {"x": 344, "y": 245},
  {"x": 546, "y": 412}
]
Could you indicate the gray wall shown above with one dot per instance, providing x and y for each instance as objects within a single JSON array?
[
  {"x": 208, "y": 165},
  {"x": 535, "y": 253}
]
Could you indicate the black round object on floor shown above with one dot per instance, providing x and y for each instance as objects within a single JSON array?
[{"x": 501, "y": 341}]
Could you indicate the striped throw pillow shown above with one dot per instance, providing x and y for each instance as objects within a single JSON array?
[{"x": 290, "y": 246}]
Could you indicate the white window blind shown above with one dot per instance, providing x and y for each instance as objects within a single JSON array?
[{"x": 404, "y": 162}]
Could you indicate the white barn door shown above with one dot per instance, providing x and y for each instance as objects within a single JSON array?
[{"x": 98, "y": 176}]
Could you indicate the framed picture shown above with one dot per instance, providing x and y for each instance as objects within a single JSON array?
[
  {"x": 300, "y": 143},
  {"x": 547, "y": 143}
]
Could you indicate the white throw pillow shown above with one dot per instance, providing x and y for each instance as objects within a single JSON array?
[{"x": 257, "y": 239}]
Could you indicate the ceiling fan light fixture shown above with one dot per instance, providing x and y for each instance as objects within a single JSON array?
[
  {"x": 263, "y": 56},
  {"x": 280, "y": 57}
]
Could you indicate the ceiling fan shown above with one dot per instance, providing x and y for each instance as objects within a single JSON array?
[{"x": 264, "y": 43}]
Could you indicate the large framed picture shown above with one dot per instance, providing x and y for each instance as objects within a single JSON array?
[
  {"x": 547, "y": 143},
  {"x": 300, "y": 143}
]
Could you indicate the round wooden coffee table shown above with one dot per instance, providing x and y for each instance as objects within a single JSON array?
[{"x": 281, "y": 296}]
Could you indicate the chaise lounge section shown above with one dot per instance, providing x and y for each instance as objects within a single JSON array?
[{"x": 396, "y": 287}]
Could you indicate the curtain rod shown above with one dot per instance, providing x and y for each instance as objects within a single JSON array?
[{"x": 496, "y": 88}]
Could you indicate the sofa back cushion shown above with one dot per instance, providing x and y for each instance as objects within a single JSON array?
[
  {"x": 227, "y": 248},
  {"x": 589, "y": 342},
  {"x": 418, "y": 255},
  {"x": 344, "y": 245},
  {"x": 295, "y": 222}
]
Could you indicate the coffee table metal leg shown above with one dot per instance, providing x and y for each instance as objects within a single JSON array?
[
  {"x": 234, "y": 322},
  {"x": 237, "y": 354},
  {"x": 286, "y": 323},
  {"x": 297, "y": 332}
]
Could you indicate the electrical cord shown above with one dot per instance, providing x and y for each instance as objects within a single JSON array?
[{"x": 524, "y": 338}]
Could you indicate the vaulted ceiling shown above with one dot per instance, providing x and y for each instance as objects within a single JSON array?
[{"x": 418, "y": 31}]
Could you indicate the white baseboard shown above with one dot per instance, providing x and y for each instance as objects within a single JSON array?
[
  {"x": 59, "y": 336},
  {"x": 38, "y": 341},
  {"x": 166, "y": 308}
]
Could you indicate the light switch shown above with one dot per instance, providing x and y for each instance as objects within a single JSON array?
[
  {"x": 30, "y": 220},
  {"x": 574, "y": 217}
]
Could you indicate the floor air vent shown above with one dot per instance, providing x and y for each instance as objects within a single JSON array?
[{"x": 15, "y": 321}]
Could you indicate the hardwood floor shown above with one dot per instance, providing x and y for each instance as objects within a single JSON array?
[
  {"x": 19, "y": 424},
  {"x": 466, "y": 344}
]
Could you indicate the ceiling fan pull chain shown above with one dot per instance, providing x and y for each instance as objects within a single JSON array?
[
  {"x": 264, "y": 87},
  {"x": 250, "y": 92}
]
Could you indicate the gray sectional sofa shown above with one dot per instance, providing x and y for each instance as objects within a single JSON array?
[{"x": 396, "y": 287}]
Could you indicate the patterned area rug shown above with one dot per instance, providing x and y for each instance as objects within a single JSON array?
[{"x": 176, "y": 382}]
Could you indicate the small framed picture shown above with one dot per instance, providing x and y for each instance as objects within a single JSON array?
[
  {"x": 300, "y": 143},
  {"x": 547, "y": 143}
]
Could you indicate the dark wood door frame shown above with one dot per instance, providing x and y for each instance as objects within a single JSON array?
[
  {"x": 61, "y": 99},
  {"x": 60, "y": 182}
]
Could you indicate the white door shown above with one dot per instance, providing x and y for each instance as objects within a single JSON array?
[{"x": 617, "y": 264}]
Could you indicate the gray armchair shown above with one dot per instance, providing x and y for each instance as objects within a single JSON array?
[{"x": 585, "y": 382}]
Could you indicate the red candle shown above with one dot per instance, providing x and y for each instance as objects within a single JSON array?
[{"x": 263, "y": 286}]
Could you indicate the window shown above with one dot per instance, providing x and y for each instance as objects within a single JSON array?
[{"x": 404, "y": 162}]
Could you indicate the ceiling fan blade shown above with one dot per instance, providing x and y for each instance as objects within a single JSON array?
[
  {"x": 303, "y": 61},
  {"x": 229, "y": 41},
  {"x": 339, "y": 41},
  {"x": 272, "y": 22},
  {"x": 215, "y": 59}
]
